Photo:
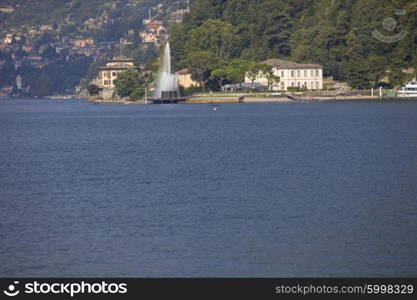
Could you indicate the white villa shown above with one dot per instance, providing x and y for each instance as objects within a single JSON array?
[{"x": 292, "y": 74}]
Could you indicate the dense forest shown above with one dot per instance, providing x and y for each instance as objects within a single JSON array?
[{"x": 340, "y": 35}]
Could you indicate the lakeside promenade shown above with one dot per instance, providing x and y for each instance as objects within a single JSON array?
[{"x": 266, "y": 97}]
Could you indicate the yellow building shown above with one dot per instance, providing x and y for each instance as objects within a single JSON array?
[
  {"x": 185, "y": 80},
  {"x": 108, "y": 74}
]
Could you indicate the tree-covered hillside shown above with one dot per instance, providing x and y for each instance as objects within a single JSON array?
[{"x": 337, "y": 34}]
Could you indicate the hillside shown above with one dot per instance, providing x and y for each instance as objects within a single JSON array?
[
  {"x": 101, "y": 19},
  {"x": 336, "y": 34},
  {"x": 54, "y": 45}
]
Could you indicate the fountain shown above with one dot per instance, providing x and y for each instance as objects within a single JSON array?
[{"x": 167, "y": 83}]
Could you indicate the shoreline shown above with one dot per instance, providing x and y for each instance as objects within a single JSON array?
[
  {"x": 211, "y": 100},
  {"x": 214, "y": 100}
]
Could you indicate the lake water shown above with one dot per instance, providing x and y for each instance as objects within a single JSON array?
[{"x": 250, "y": 190}]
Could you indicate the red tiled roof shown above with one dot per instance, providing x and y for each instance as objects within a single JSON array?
[{"x": 183, "y": 71}]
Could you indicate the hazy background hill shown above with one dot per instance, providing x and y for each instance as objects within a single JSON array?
[
  {"x": 336, "y": 34},
  {"x": 44, "y": 31},
  {"x": 101, "y": 19}
]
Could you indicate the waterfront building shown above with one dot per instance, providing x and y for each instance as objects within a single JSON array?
[
  {"x": 185, "y": 80},
  {"x": 291, "y": 74},
  {"x": 108, "y": 73}
]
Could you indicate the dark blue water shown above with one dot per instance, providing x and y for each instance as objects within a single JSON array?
[{"x": 285, "y": 189}]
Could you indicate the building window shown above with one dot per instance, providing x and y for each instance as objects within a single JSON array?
[
  {"x": 298, "y": 73},
  {"x": 106, "y": 82},
  {"x": 114, "y": 74},
  {"x": 100, "y": 75},
  {"x": 292, "y": 83},
  {"x": 305, "y": 73},
  {"x": 114, "y": 82},
  {"x": 292, "y": 74},
  {"x": 298, "y": 84},
  {"x": 312, "y": 73},
  {"x": 282, "y": 74},
  {"x": 317, "y": 72}
]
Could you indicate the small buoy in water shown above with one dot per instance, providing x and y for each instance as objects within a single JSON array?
[{"x": 215, "y": 108}]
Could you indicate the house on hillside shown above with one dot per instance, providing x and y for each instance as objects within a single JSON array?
[
  {"x": 185, "y": 80},
  {"x": 6, "y": 10},
  {"x": 27, "y": 48},
  {"x": 155, "y": 32},
  {"x": 177, "y": 16},
  {"x": 81, "y": 43},
  {"x": 8, "y": 39},
  {"x": 291, "y": 74},
  {"x": 46, "y": 27},
  {"x": 148, "y": 37}
]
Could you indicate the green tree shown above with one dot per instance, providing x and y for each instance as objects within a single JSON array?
[
  {"x": 253, "y": 71},
  {"x": 137, "y": 93},
  {"x": 7, "y": 70},
  {"x": 200, "y": 64},
  {"x": 127, "y": 82},
  {"x": 220, "y": 75},
  {"x": 92, "y": 89},
  {"x": 214, "y": 36},
  {"x": 237, "y": 70},
  {"x": 268, "y": 72},
  {"x": 43, "y": 86}
]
